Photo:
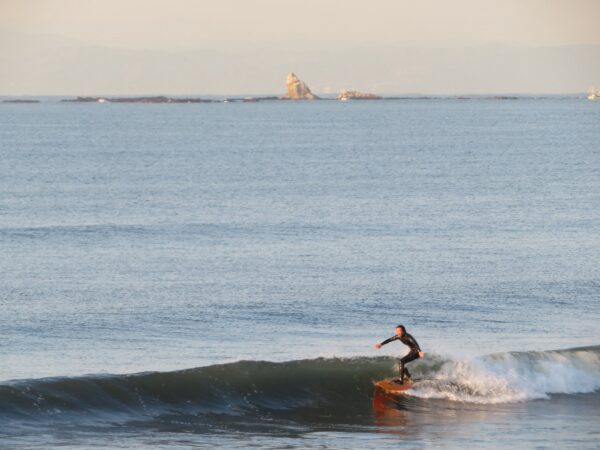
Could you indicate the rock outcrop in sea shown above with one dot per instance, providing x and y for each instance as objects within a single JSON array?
[
  {"x": 355, "y": 95},
  {"x": 297, "y": 89},
  {"x": 158, "y": 99}
]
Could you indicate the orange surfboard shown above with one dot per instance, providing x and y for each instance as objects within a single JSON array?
[{"x": 393, "y": 386}]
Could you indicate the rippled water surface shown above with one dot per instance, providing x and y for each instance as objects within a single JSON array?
[{"x": 250, "y": 255}]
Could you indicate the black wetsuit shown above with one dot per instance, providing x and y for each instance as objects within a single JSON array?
[{"x": 413, "y": 354}]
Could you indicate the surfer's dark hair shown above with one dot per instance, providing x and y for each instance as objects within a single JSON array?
[{"x": 403, "y": 327}]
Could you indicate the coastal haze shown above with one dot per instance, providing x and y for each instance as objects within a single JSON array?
[
  {"x": 210, "y": 212},
  {"x": 61, "y": 47}
]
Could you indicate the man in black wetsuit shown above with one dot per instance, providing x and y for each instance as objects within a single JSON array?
[{"x": 414, "y": 353}]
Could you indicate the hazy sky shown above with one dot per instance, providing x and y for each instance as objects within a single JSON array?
[{"x": 248, "y": 46}]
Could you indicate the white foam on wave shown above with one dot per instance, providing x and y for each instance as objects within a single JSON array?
[{"x": 513, "y": 377}]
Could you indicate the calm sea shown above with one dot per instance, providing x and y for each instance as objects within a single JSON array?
[{"x": 215, "y": 275}]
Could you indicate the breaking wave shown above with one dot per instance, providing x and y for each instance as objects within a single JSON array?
[
  {"x": 512, "y": 377},
  {"x": 317, "y": 390}
]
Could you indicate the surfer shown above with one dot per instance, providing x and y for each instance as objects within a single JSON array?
[{"x": 414, "y": 353}]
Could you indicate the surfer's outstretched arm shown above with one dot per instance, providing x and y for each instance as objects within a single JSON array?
[{"x": 387, "y": 341}]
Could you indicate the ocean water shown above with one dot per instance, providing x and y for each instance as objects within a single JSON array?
[{"x": 215, "y": 275}]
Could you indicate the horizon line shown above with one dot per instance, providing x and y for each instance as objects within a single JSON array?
[{"x": 324, "y": 94}]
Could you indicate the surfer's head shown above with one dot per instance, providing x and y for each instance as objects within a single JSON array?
[{"x": 400, "y": 330}]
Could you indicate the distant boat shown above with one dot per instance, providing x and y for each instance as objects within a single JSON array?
[{"x": 594, "y": 94}]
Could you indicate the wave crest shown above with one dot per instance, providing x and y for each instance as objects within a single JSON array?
[{"x": 511, "y": 377}]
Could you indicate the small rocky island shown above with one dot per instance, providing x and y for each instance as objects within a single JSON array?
[
  {"x": 157, "y": 99},
  {"x": 355, "y": 95},
  {"x": 297, "y": 89},
  {"x": 20, "y": 101}
]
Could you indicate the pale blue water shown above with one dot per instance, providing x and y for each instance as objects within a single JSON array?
[{"x": 142, "y": 238}]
